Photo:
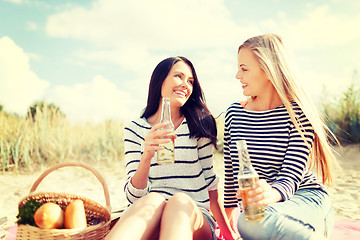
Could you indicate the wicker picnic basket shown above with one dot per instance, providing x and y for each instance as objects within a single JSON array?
[{"x": 95, "y": 213}]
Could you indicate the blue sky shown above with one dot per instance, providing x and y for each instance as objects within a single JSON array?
[{"x": 94, "y": 59}]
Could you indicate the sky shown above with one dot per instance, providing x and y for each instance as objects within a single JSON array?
[{"x": 94, "y": 59}]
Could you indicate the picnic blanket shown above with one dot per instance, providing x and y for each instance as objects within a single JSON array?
[{"x": 344, "y": 229}]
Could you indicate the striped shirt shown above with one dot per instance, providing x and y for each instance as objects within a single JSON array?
[
  {"x": 191, "y": 173},
  {"x": 277, "y": 151}
]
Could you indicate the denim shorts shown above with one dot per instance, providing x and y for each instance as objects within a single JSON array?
[{"x": 307, "y": 212}]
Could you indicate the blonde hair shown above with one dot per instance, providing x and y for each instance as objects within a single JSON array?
[{"x": 271, "y": 55}]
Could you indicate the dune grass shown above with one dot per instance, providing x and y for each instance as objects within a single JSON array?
[
  {"x": 49, "y": 138},
  {"x": 343, "y": 115}
]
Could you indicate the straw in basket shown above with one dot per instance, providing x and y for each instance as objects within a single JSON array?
[{"x": 98, "y": 216}]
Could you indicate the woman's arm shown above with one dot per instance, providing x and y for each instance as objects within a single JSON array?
[
  {"x": 230, "y": 185},
  {"x": 296, "y": 159},
  {"x": 230, "y": 215},
  {"x": 220, "y": 216},
  {"x": 292, "y": 169},
  {"x": 138, "y": 162}
]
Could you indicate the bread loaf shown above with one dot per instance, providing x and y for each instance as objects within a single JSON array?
[
  {"x": 75, "y": 215},
  {"x": 49, "y": 215}
]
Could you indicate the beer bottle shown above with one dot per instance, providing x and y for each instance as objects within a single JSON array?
[
  {"x": 166, "y": 155},
  {"x": 246, "y": 178}
]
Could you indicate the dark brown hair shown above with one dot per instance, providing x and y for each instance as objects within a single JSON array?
[{"x": 200, "y": 121}]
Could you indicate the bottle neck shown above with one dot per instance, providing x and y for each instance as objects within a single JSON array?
[
  {"x": 244, "y": 162},
  {"x": 166, "y": 112},
  {"x": 245, "y": 166}
]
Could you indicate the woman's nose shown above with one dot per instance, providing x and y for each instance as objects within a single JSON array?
[
  {"x": 238, "y": 75},
  {"x": 185, "y": 84}
]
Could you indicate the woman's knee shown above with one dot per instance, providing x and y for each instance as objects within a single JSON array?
[
  {"x": 180, "y": 201},
  {"x": 155, "y": 198},
  {"x": 181, "y": 206},
  {"x": 180, "y": 197},
  {"x": 150, "y": 202}
]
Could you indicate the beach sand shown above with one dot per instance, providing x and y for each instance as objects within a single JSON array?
[{"x": 14, "y": 187}]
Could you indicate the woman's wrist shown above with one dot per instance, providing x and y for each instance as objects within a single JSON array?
[{"x": 276, "y": 195}]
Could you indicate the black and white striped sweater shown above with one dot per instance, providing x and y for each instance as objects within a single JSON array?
[
  {"x": 191, "y": 173},
  {"x": 276, "y": 149}
]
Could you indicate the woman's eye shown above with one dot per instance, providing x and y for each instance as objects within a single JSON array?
[
  {"x": 178, "y": 75},
  {"x": 191, "y": 82},
  {"x": 244, "y": 69}
]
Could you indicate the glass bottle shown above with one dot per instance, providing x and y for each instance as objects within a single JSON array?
[
  {"x": 247, "y": 177},
  {"x": 166, "y": 155}
]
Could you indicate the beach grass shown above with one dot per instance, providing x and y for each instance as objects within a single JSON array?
[
  {"x": 29, "y": 144},
  {"x": 342, "y": 115}
]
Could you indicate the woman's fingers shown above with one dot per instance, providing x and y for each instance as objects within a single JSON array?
[
  {"x": 156, "y": 132},
  {"x": 156, "y": 141},
  {"x": 157, "y": 126},
  {"x": 238, "y": 193},
  {"x": 160, "y": 133},
  {"x": 156, "y": 137},
  {"x": 258, "y": 188},
  {"x": 260, "y": 194}
]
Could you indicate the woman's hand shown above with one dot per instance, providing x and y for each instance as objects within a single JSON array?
[
  {"x": 262, "y": 194},
  {"x": 151, "y": 144},
  {"x": 153, "y": 139},
  {"x": 233, "y": 235}
]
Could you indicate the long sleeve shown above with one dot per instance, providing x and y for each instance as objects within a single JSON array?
[
  {"x": 133, "y": 145},
  {"x": 205, "y": 152},
  {"x": 230, "y": 186},
  {"x": 295, "y": 161}
]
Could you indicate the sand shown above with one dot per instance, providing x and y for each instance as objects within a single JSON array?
[
  {"x": 14, "y": 187},
  {"x": 345, "y": 194}
]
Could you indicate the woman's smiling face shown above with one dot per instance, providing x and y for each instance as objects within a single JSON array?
[
  {"x": 178, "y": 85},
  {"x": 253, "y": 79}
]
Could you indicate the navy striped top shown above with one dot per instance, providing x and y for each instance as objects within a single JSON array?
[
  {"x": 191, "y": 173},
  {"x": 277, "y": 151}
]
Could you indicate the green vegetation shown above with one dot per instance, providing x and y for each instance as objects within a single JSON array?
[
  {"x": 27, "y": 211},
  {"x": 50, "y": 110},
  {"x": 30, "y": 143},
  {"x": 343, "y": 115}
]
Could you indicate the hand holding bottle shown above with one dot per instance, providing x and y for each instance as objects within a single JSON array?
[
  {"x": 154, "y": 138},
  {"x": 262, "y": 194}
]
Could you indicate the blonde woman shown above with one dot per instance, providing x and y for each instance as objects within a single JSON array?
[{"x": 285, "y": 138}]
